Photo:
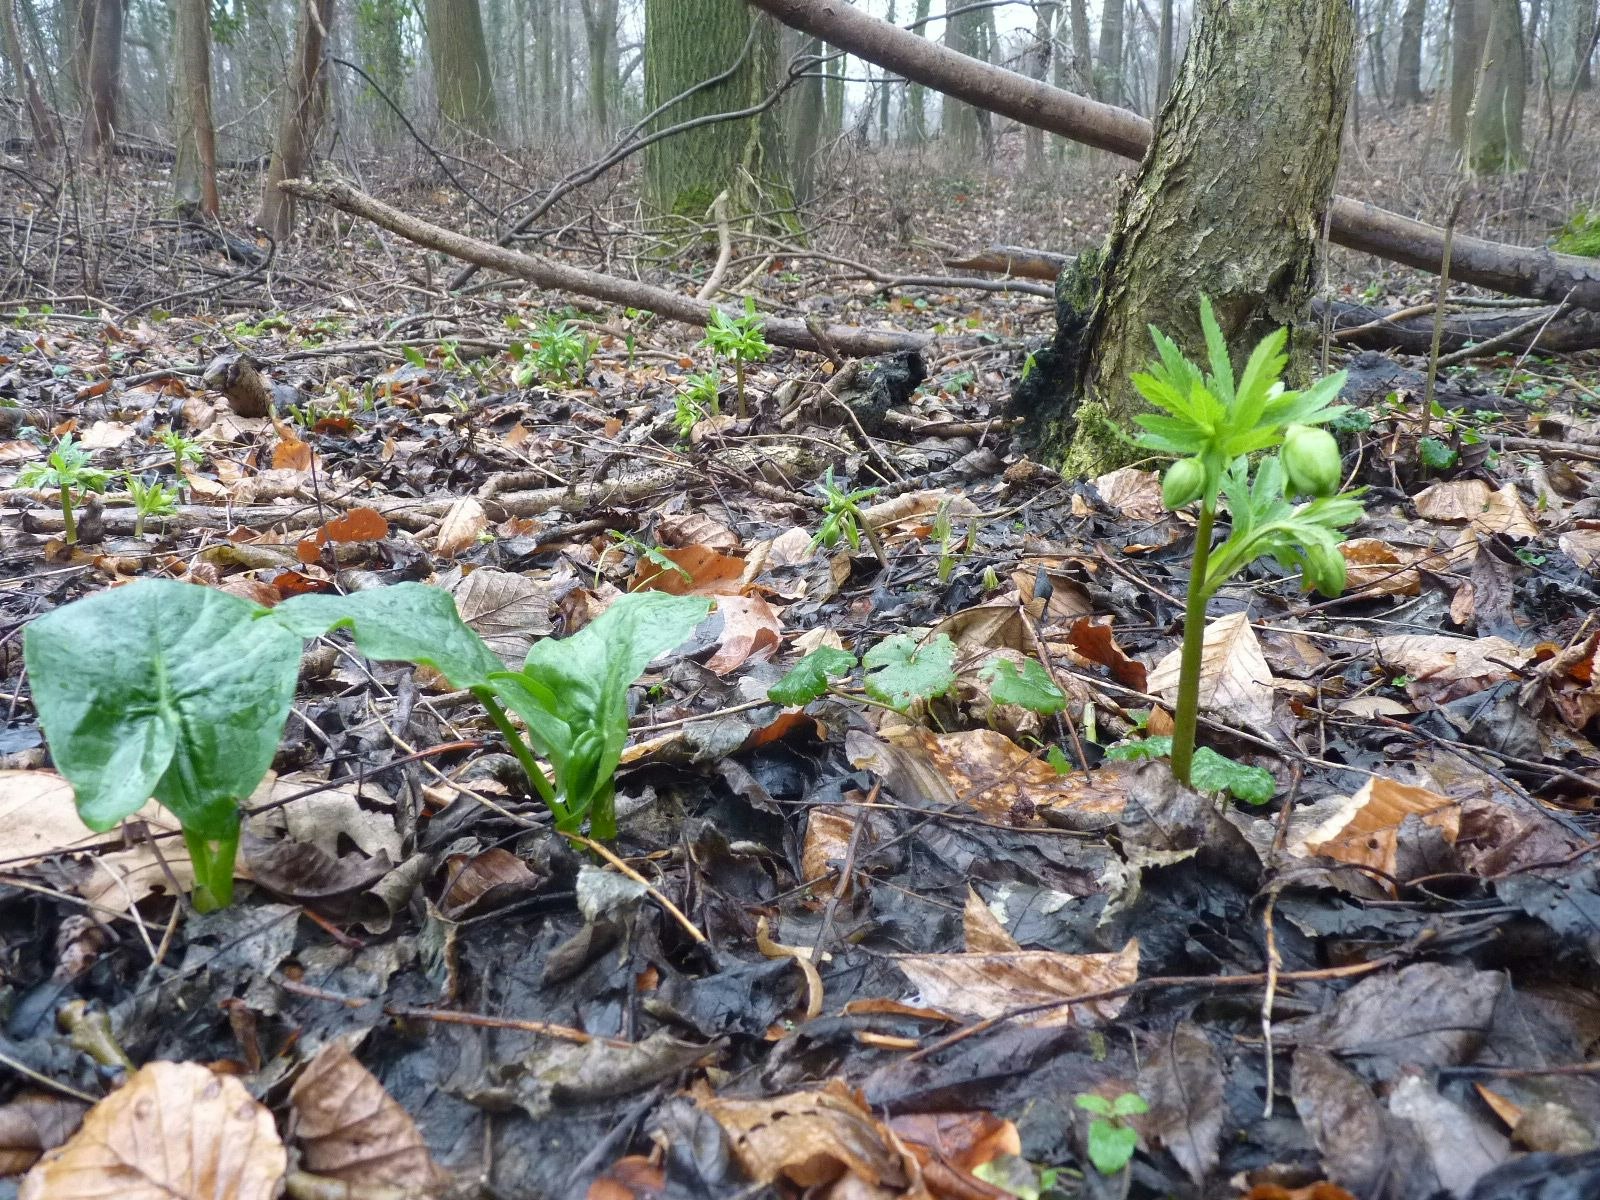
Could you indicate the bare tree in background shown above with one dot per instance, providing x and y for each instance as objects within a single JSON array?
[
  {"x": 194, "y": 172},
  {"x": 1502, "y": 91},
  {"x": 39, "y": 122},
  {"x": 1468, "y": 24},
  {"x": 1108, "y": 84},
  {"x": 1408, "y": 66},
  {"x": 600, "y": 31},
  {"x": 460, "y": 58},
  {"x": 102, "y": 71},
  {"x": 300, "y": 118}
]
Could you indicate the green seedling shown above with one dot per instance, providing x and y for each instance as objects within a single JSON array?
[
  {"x": 185, "y": 451},
  {"x": 739, "y": 339},
  {"x": 186, "y": 692},
  {"x": 842, "y": 518},
  {"x": 68, "y": 470},
  {"x": 557, "y": 353},
  {"x": 697, "y": 399},
  {"x": 651, "y": 554},
  {"x": 150, "y": 500},
  {"x": 1112, "y": 1140},
  {"x": 1213, "y": 424}
]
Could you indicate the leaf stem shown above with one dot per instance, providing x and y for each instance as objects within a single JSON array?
[
  {"x": 523, "y": 755},
  {"x": 69, "y": 527},
  {"x": 213, "y": 867},
  {"x": 1194, "y": 636}
]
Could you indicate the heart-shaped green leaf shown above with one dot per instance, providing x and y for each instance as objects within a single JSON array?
[
  {"x": 808, "y": 678},
  {"x": 900, "y": 672}
]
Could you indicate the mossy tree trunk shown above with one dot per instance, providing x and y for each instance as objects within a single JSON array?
[
  {"x": 194, "y": 171},
  {"x": 1108, "y": 64},
  {"x": 686, "y": 43},
  {"x": 460, "y": 59},
  {"x": 1228, "y": 203},
  {"x": 1502, "y": 92}
]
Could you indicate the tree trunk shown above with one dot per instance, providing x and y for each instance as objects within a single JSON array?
[
  {"x": 44, "y": 134},
  {"x": 687, "y": 42},
  {"x": 958, "y": 123},
  {"x": 460, "y": 58},
  {"x": 1408, "y": 67},
  {"x": 1165, "y": 54},
  {"x": 194, "y": 172},
  {"x": 1502, "y": 92},
  {"x": 1108, "y": 63},
  {"x": 1588, "y": 32},
  {"x": 1038, "y": 66},
  {"x": 1082, "y": 55},
  {"x": 1228, "y": 203},
  {"x": 1469, "y": 21},
  {"x": 803, "y": 116},
  {"x": 102, "y": 73},
  {"x": 600, "y": 30},
  {"x": 380, "y": 27},
  {"x": 299, "y": 120},
  {"x": 917, "y": 97}
]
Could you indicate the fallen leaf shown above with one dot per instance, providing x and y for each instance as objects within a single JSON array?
[
  {"x": 751, "y": 630},
  {"x": 1182, "y": 1082},
  {"x": 351, "y": 1130},
  {"x": 827, "y": 841},
  {"x": 1093, "y": 639},
  {"x": 33, "y": 1122},
  {"x": 990, "y": 985},
  {"x": 1483, "y": 509},
  {"x": 1366, "y": 830},
  {"x": 1235, "y": 682},
  {"x": 982, "y": 930},
  {"x": 701, "y": 571},
  {"x": 1134, "y": 493},
  {"x": 483, "y": 880},
  {"x": 460, "y": 528},
  {"x": 1374, "y": 566},
  {"x": 173, "y": 1131},
  {"x": 1444, "y": 668},
  {"x": 809, "y": 1138}
]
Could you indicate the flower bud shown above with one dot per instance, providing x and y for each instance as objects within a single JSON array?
[
  {"x": 1183, "y": 482},
  {"x": 1311, "y": 461},
  {"x": 1325, "y": 569}
]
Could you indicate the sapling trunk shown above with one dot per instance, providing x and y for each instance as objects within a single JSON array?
[{"x": 1194, "y": 641}]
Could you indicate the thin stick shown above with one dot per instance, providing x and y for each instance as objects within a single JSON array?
[{"x": 655, "y": 893}]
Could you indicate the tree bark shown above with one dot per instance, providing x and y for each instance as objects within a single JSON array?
[
  {"x": 917, "y": 96},
  {"x": 687, "y": 42},
  {"x": 460, "y": 59},
  {"x": 1535, "y": 273},
  {"x": 300, "y": 119},
  {"x": 1038, "y": 67},
  {"x": 1228, "y": 204},
  {"x": 1408, "y": 67},
  {"x": 1165, "y": 55},
  {"x": 1469, "y": 19},
  {"x": 958, "y": 123},
  {"x": 102, "y": 73},
  {"x": 1502, "y": 92},
  {"x": 847, "y": 339},
  {"x": 39, "y": 122},
  {"x": 194, "y": 172},
  {"x": 1108, "y": 63},
  {"x": 600, "y": 31}
]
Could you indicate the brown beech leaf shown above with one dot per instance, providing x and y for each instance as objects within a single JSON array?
[
  {"x": 750, "y": 630},
  {"x": 1374, "y": 566},
  {"x": 483, "y": 880},
  {"x": 810, "y": 1138},
  {"x": 983, "y": 931},
  {"x": 701, "y": 571},
  {"x": 1134, "y": 493},
  {"x": 828, "y": 831},
  {"x": 352, "y": 1130},
  {"x": 1444, "y": 668},
  {"x": 32, "y": 1123},
  {"x": 988, "y": 985},
  {"x": 459, "y": 530},
  {"x": 1483, "y": 510},
  {"x": 1235, "y": 681},
  {"x": 1093, "y": 638},
  {"x": 1366, "y": 830},
  {"x": 174, "y": 1131}
]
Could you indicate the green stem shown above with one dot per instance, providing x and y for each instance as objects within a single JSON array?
[
  {"x": 738, "y": 374},
  {"x": 523, "y": 755},
  {"x": 213, "y": 867},
  {"x": 1194, "y": 641},
  {"x": 69, "y": 527}
]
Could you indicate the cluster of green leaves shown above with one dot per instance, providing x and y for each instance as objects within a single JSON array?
[
  {"x": 180, "y": 692},
  {"x": 697, "y": 399},
  {"x": 68, "y": 469},
  {"x": 740, "y": 340},
  {"x": 150, "y": 499},
  {"x": 558, "y": 352},
  {"x": 1208, "y": 772},
  {"x": 841, "y": 514},
  {"x": 1581, "y": 233},
  {"x": 1112, "y": 1140},
  {"x": 1213, "y": 424},
  {"x": 899, "y": 673}
]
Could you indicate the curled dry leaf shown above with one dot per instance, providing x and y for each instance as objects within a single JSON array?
[
  {"x": 1366, "y": 830},
  {"x": 1377, "y": 568},
  {"x": 828, "y": 831},
  {"x": 751, "y": 629},
  {"x": 1474, "y": 502},
  {"x": 483, "y": 881},
  {"x": 174, "y": 1131},
  {"x": 32, "y": 1123},
  {"x": 1235, "y": 681},
  {"x": 459, "y": 530},
  {"x": 982, "y": 929},
  {"x": 1444, "y": 668},
  {"x": 352, "y": 1130},
  {"x": 1093, "y": 639},
  {"x": 700, "y": 571},
  {"x": 1134, "y": 493}
]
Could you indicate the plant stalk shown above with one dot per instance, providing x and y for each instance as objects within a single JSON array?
[
  {"x": 213, "y": 868},
  {"x": 69, "y": 527},
  {"x": 738, "y": 375},
  {"x": 1194, "y": 638},
  {"x": 523, "y": 755}
]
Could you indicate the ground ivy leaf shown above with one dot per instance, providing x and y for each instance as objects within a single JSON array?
[
  {"x": 808, "y": 678},
  {"x": 1031, "y": 688},
  {"x": 899, "y": 672},
  {"x": 408, "y": 622},
  {"x": 162, "y": 689}
]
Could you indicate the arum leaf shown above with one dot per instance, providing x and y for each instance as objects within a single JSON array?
[{"x": 808, "y": 679}]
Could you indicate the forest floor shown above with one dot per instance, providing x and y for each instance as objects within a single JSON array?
[{"x": 951, "y": 951}]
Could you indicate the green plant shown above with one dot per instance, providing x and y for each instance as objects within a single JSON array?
[
  {"x": 741, "y": 339},
  {"x": 1581, "y": 233},
  {"x": 842, "y": 518},
  {"x": 184, "y": 450},
  {"x": 651, "y": 554},
  {"x": 150, "y": 500},
  {"x": 697, "y": 399},
  {"x": 557, "y": 353},
  {"x": 950, "y": 547},
  {"x": 180, "y": 692},
  {"x": 1112, "y": 1140},
  {"x": 67, "y": 469},
  {"x": 1213, "y": 424}
]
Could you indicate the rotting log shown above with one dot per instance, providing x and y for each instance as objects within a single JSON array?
[
  {"x": 1517, "y": 270},
  {"x": 781, "y": 331}
]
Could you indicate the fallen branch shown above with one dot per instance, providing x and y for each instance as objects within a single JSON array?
[
  {"x": 782, "y": 331},
  {"x": 1537, "y": 274}
]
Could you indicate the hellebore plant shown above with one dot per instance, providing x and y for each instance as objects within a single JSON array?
[
  {"x": 1213, "y": 424},
  {"x": 68, "y": 470},
  {"x": 741, "y": 339}
]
